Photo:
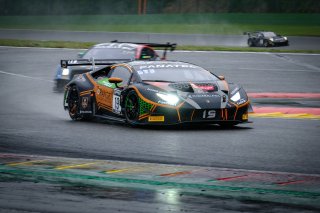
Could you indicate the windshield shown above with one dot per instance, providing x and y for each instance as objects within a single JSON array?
[
  {"x": 110, "y": 53},
  {"x": 173, "y": 73},
  {"x": 269, "y": 34}
]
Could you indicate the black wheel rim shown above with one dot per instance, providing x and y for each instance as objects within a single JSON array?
[
  {"x": 73, "y": 104},
  {"x": 132, "y": 107}
]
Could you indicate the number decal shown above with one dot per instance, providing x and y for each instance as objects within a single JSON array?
[
  {"x": 209, "y": 114},
  {"x": 116, "y": 104}
]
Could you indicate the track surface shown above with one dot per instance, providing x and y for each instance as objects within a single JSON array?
[
  {"x": 33, "y": 121},
  {"x": 296, "y": 42}
]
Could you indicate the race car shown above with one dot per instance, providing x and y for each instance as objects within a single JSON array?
[
  {"x": 114, "y": 51},
  {"x": 266, "y": 39},
  {"x": 155, "y": 93}
]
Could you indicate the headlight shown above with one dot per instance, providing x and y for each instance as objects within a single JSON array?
[
  {"x": 239, "y": 98},
  {"x": 168, "y": 99},
  {"x": 65, "y": 71},
  {"x": 271, "y": 39},
  {"x": 285, "y": 38},
  {"x": 236, "y": 97}
]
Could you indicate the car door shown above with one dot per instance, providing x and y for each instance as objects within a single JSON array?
[{"x": 109, "y": 94}]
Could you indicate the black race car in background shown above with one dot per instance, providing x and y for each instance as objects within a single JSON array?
[
  {"x": 114, "y": 51},
  {"x": 266, "y": 39},
  {"x": 155, "y": 93}
]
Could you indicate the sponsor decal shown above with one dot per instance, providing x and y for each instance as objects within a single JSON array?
[
  {"x": 72, "y": 62},
  {"x": 146, "y": 71},
  {"x": 158, "y": 118},
  {"x": 152, "y": 90},
  {"x": 85, "y": 111},
  {"x": 196, "y": 87},
  {"x": 167, "y": 103},
  {"x": 203, "y": 87},
  {"x": 84, "y": 102},
  {"x": 105, "y": 95},
  {"x": 203, "y": 95},
  {"x": 241, "y": 101},
  {"x": 159, "y": 66}
]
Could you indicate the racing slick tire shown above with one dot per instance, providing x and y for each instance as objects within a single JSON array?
[
  {"x": 132, "y": 107},
  {"x": 265, "y": 43},
  {"x": 250, "y": 43},
  {"x": 74, "y": 106}
]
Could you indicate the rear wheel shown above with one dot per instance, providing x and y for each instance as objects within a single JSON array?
[
  {"x": 132, "y": 107},
  {"x": 250, "y": 43}
]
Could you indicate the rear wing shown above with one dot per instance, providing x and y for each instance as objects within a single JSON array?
[
  {"x": 167, "y": 46},
  {"x": 92, "y": 62}
]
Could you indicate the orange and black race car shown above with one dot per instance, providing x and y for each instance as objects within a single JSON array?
[
  {"x": 155, "y": 92},
  {"x": 114, "y": 51}
]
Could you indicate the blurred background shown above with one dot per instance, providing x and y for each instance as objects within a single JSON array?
[
  {"x": 289, "y": 17},
  {"x": 125, "y": 7}
]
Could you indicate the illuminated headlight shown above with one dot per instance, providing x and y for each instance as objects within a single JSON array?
[
  {"x": 285, "y": 38},
  {"x": 65, "y": 71},
  {"x": 168, "y": 98},
  {"x": 271, "y": 39},
  {"x": 236, "y": 97}
]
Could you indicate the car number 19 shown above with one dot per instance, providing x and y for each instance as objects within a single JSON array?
[{"x": 209, "y": 114}]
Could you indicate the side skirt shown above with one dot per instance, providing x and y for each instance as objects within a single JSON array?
[{"x": 120, "y": 120}]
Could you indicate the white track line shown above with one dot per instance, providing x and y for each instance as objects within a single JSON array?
[{"x": 25, "y": 76}]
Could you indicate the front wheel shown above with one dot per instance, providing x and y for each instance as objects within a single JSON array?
[
  {"x": 250, "y": 43},
  {"x": 265, "y": 43},
  {"x": 132, "y": 107},
  {"x": 74, "y": 105}
]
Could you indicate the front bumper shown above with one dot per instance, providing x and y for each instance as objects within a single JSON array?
[
  {"x": 279, "y": 43},
  {"x": 172, "y": 116}
]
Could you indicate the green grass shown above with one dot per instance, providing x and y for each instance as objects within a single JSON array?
[
  {"x": 86, "y": 45},
  {"x": 220, "y": 23}
]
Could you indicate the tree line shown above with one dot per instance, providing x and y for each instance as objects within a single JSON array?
[{"x": 121, "y": 7}]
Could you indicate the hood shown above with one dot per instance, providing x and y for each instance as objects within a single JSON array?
[
  {"x": 199, "y": 95},
  {"x": 277, "y": 38}
]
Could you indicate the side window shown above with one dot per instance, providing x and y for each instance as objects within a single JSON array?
[
  {"x": 123, "y": 73},
  {"x": 147, "y": 54}
]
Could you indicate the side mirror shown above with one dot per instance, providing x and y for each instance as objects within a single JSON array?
[
  {"x": 115, "y": 81},
  {"x": 80, "y": 54},
  {"x": 221, "y": 77}
]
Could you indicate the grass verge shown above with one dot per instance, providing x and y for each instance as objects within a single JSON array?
[{"x": 86, "y": 45}]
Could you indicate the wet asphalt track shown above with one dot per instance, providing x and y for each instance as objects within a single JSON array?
[
  {"x": 296, "y": 42},
  {"x": 33, "y": 121}
]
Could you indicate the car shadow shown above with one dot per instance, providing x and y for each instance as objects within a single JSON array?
[{"x": 178, "y": 127}]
